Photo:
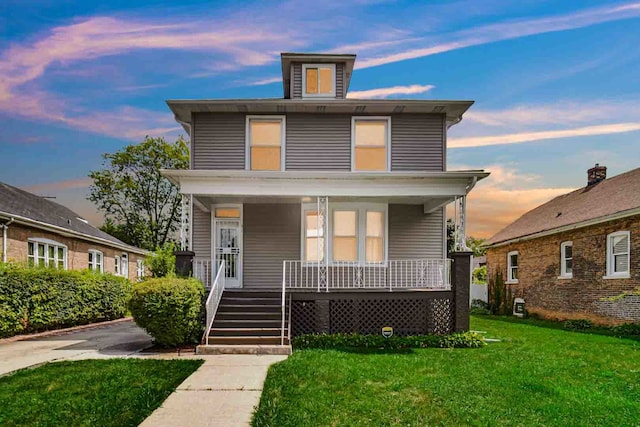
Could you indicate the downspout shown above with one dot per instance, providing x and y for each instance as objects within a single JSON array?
[{"x": 5, "y": 227}]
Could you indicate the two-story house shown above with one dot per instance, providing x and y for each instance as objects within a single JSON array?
[{"x": 319, "y": 213}]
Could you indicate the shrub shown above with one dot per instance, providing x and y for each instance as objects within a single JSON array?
[
  {"x": 626, "y": 329},
  {"x": 169, "y": 309},
  {"x": 500, "y": 299},
  {"x": 577, "y": 324},
  {"x": 162, "y": 263},
  {"x": 341, "y": 341},
  {"x": 479, "y": 275},
  {"x": 37, "y": 299}
]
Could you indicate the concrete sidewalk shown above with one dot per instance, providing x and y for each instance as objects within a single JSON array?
[{"x": 222, "y": 392}]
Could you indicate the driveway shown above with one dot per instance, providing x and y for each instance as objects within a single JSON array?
[{"x": 115, "y": 340}]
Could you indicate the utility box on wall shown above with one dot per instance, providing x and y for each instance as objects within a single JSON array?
[{"x": 518, "y": 307}]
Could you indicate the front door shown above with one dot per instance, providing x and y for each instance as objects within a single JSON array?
[{"x": 227, "y": 241}]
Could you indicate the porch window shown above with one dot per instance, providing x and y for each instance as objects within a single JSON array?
[
  {"x": 566, "y": 260},
  {"x": 227, "y": 213},
  {"x": 95, "y": 260},
  {"x": 375, "y": 236},
  {"x": 265, "y": 140},
  {"x": 370, "y": 143},
  {"x": 618, "y": 251},
  {"x": 512, "y": 267},
  {"x": 345, "y": 236},
  {"x": 318, "y": 80},
  {"x": 314, "y": 240},
  {"x": 46, "y": 253}
]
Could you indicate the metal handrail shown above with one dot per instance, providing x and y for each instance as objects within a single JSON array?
[
  {"x": 213, "y": 300},
  {"x": 282, "y": 305}
]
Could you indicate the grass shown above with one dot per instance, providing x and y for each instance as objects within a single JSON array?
[
  {"x": 115, "y": 392},
  {"x": 534, "y": 376}
]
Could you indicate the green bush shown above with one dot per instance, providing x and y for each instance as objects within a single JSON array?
[
  {"x": 577, "y": 324},
  {"x": 162, "y": 262},
  {"x": 338, "y": 341},
  {"x": 479, "y": 275},
  {"x": 169, "y": 309},
  {"x": 626, "y": 329},
  {"x": 37, "y": 299},
  {"x": 500, "y": 298}
]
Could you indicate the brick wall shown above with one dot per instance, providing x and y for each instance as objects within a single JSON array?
[
  {"x": 77, "y": 249},
  {"x": 582, "y": 295}
]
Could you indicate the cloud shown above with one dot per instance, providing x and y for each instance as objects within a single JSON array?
[
  {"x": 516, "y": 138},
  {"x": 510, "y": 30},
  {"x": 59, "y": 185},
  {"x": 385, "y": 92},
  {"x": 265, "y": 81}
]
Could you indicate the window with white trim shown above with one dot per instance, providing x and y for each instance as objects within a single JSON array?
[
  {"x": 618, "y": 254},
  {"x": 313, "y": 237},
  {"x": 47, "y": 253},
  {"x": 566, "y": 259},
  {"x": 370, "y": 143},
  {"x": 139, "y": 269},
  {"x": 318, "y": 80},
  {"x": 96, "y": 259},
  {"x": 512, "y": 267},
  {"x": 345, "y": 235},
  {"x": 265, "y": 143},
  {"x": 116, "y": 265},
  {"x": 124, "y": 264}
]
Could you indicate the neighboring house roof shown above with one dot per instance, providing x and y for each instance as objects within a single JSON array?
[
  {"x": 615, "y": 197},
  {"x": 34, "y": 210}
]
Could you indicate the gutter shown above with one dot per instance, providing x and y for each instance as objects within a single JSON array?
[
  {"x": 71, "y": 233},
  {"x": 569, "y": 227},
  {"x": 5, "y": 227}
]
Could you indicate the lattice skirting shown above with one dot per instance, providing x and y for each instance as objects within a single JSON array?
[{"x": 368, "y": 314}]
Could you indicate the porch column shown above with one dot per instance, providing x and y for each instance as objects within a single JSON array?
[
  {"x": 460, "y": 233},
  {"x": 184, "y": 257},
  {"x": 323, "y": 224},
  {"x": 460, "y": 288}
]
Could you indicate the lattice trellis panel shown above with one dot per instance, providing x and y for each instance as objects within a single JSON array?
[
  {"x": 343, "y": 316},
  {"x": 440, "y": 316},
  {"x": 303, "y": 317}
]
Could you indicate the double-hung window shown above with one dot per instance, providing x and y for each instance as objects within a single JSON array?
[
  {"x": 314, "y": 239},
  {"x": 96, "y": 259},
  {"x": 618, "y": 255},
  {"x": 512, "y": 267},
  {"x": 319, "y": 80},
  {"x": 139, "y": 269},
  {"x": 345, "y": 235},
  {"x": 370, "y": 143},
  {"x": 265, "y": 143},
  {"x": 47, "y": 253},
  {"x": 124, "y": 265},
  {"x": 566, "y": 260},
  {"x": 116, "y": 265}
]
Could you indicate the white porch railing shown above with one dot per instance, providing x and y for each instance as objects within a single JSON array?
[
  {"x": 213, "y": 300},
  {"x": 430, "y": 274},
  {"x": 202, "y": 270}
]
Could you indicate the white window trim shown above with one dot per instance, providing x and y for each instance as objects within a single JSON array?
[
  {"x": 354, "y": 119},
  {"x": 124, "y": 272},
  {"x": 214, "y": 242},
  {"x": 247, "y": 138},
  {"x": 95, "y": 252},
  {"x": 510, "y": 280},
  {"x": 117, "y": 267},
  {"x": 361, "y": 215},
  {"x": 563, "y": 272},
  {"x": 139, "y": 269},
  {"x": 610, "y": 261},
  {"x": 318, "y": 95},
  {"x": 47, "y": 243}
]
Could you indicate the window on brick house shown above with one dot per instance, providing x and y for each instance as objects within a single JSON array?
[
  {"x": 96, "y": 260},
  {"x": 46, "y": 253},
  {"x": 512, "y": 267},
  {"x": 618, "y": 255},
  {"x": 566, "y": 259}
]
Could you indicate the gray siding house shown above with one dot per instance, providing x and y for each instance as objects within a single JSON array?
[{"x": 315, "y": 212}]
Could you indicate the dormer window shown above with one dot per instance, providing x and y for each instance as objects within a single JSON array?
[{"x": 318, "y": 80}]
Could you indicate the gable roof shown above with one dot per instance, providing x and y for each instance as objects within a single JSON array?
[
  {"x": 616, "y": 196},
  {"x": 30, "y": 208}
]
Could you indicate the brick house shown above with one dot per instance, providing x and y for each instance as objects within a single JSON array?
[
  {"x": 38, "y": 231},
  {"x": 577, "y": 255}
]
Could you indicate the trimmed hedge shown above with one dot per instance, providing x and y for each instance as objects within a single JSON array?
[
  {"x": 170, "y": 309},
  {"x": 38, "y": 299},
  {"x": 338, "y": 341}
]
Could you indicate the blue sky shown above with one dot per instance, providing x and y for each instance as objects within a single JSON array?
[{"x": 556, "y": 83}]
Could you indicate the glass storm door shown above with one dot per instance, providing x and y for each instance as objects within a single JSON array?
[{"x": 228, "y": 250}]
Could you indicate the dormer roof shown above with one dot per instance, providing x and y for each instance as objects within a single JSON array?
[{"x": 288, "y": 58}]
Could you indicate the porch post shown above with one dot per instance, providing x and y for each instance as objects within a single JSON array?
[
  {"x": 323, "y": 224},
  {"x": 460, "y": 288},
  {"x": 460, "y": 234},
  {"x": 185, "y": 222}
]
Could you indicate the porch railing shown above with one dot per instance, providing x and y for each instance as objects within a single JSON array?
[
  {"x": 213, "y": 300},
  {"x": 429, "y": 274},
  {"x": 202, "y": 270}
]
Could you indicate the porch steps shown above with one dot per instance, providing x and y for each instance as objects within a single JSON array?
[{"x": 247, "y": 322}]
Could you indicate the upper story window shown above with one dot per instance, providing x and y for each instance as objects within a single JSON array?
[
  {"x": 96, "y": 260},
  {"x": 512, "y": 267},
  {"x": 566, "y": 259},
  {"x": 265, "y": 143},
  {"x": 370, "y": 143},
  {"x": 618, "y": 255},
  {"x": 47, "y": 253},
  {"x": 318, "y": 80}
]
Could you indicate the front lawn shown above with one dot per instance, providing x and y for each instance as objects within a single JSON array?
[
  {"x": 534, "y": 376},
  {"x": 116, "y": 392}
]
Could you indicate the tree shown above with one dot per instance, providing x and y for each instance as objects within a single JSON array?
[
  {"x": 141, "y": 207},
  {"x": 476, "y": 245}
]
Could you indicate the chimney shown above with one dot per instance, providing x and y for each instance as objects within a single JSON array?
[{"x": 596, "y": 174}]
